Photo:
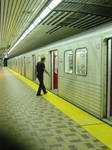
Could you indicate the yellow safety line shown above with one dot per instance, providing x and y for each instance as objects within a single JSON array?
[{"x": 97, "y": 128}]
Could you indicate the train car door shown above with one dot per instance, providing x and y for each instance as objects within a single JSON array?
[
  {"x": 23, "y": 65},
  {"x": 109, "y": 77},
  {"x": 33, "y": 67},
  {"x": 18, "y": 65},
  {"x": 54, "y": 58},
  {"x": 38, "y": 58}
]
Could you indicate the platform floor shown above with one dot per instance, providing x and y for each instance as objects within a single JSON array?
[
  {"x": 34, "y": 123},
  {"x": 54, "y": 91}
]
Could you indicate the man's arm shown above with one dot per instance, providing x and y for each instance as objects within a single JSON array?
[{"x": 46, "y": 71}]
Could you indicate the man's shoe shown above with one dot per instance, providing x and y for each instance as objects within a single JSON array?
[
  {"x": 38, "y": 95},
  {"x": 45, "y": 93}
]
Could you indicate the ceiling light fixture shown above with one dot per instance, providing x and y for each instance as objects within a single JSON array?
[
  {"x": 37, "y": 21},
  {"x": 45, "y": 12},
  {"x": 54, "y": 3}
]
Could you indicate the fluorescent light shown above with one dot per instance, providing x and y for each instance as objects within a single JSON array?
[
  {"x": 21, "y": 38},
  {"x": 54, "y": 3},
  {"x": 31, "y": 27},
  {"x": 15, "y": 44},
  {"x": 37, "y": 21},
  {"x": 10, "y": 50},
  {"x": 25, "y": 33},
  {"x": 45, "y": 13}
]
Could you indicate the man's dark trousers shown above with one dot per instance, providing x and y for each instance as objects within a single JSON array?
[{"x": 41, "y": 86}]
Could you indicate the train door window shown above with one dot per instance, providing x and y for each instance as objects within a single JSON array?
[
  {"x": 109, "y": 79},
  {"x": 81, "y": 62},
  {"x": 54, "y": 69},
  {"x": 56, "y": 63},
  {"x": 68, "y": 61}
]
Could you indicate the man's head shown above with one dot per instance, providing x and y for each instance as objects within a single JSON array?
[{"x": 43, "y": 58}]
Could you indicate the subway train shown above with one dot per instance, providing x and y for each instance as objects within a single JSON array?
[{"x": 80, "y": 68}]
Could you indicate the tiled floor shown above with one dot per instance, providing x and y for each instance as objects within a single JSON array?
[{"x": 34, "y": 123}]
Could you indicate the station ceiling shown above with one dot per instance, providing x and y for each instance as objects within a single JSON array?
[{"x": 68, "y": 18}]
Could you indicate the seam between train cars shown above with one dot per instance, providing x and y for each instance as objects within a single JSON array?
[{"x": 97, "y": 128}]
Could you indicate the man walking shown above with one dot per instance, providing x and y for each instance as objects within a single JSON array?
[{"x": 40, "y": 71}]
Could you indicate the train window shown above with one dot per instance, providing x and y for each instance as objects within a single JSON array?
[
  {"x": 68, "y": 61},
  {"x": 56, "y": 64},
  {"x": 81, "y": 61}
]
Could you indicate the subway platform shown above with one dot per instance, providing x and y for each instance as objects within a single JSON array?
[{"x": 45, "y": 123}]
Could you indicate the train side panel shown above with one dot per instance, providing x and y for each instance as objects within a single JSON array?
[{"x": 84, "y": 91}]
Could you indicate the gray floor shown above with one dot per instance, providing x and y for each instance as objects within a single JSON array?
[{"x": 35, "y": 124}]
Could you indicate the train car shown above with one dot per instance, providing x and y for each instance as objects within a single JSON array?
[{"x": 80, "y": 68}]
